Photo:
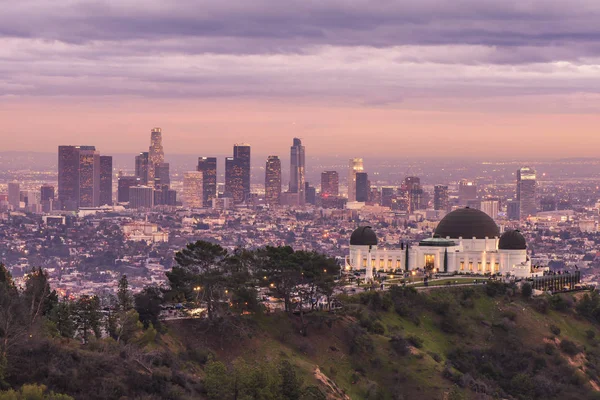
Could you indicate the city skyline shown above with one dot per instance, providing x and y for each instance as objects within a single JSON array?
[{"x": 524, "y": 73}]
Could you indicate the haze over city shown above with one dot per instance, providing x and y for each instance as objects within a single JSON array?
[
  {"x": 390, "y": 78},
  {"x": 299, "y": 200}
]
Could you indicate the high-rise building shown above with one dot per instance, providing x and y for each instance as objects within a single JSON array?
[
  {"x": 68, "y": 177},
  {"x": 162, "y": 175},
  {"x": 491, "y": 207},
  {"x": 14, "y": 195},
  {"x": 363, "y": 187},
  {"x": 208, "y": 167},
  {"x": 273, "y": 181},
  {"x": 192, "y": 189},
  {"x": 237, "y": 173},
  {"x": 526, "y": 185},
  {"x": 330, "y": 184},
  {"x": 297, "y": 170},
  {"x": 512, "y": 210},
  {"x": 89, "y": 177},
  {"x": 47, "y": 197},
  {"x": 163, "y": 196},
  {"x": 467, "y": 190},
  {"x": 356, "y": 165},
  {"x": 241, "y": 155},
  {"x": 156, "y": 154},
  {"x": 141, "y": 197},
  {"x": 310, "y": 193},
  {"x": 440, "y": 198},
  {"x": 126, "y": 182},
  {"x": 106, "y": 180},
  {"x": 388, "y": 194},
  {"x": 414, "y": 192},
  {"x": 142, "y": 166}
]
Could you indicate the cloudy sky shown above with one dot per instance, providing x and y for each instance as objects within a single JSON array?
[{"x": 465, "y": 78}]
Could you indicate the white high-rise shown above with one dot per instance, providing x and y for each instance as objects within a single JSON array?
[
  {"x": 356, "y": 165},
  {"x": 193, "y": 192},
  {"x": 156, "y": 154}
]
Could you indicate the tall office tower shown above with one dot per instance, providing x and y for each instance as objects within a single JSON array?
[
  {"x": 126, "y": 182},
  {"x": 192, "y": 189},
  {"x": 89, "y": 177},
  {"x": 330, "y": 184},
  {"x": 388, "y": 194},
  {"x": 241, "y": 155},
  {"x": 141, "y": 197},
  {"x": 47, "y": 197},
  {"x": 440, "y": 198},
  {"x": 363, "y": 187},
  {"x": 163, "y": 196},
  {"x": 356, "y": 165},
  {"x": 233, "y": 180},
  {"x": 273, "y": 181},
  {"x": 106, "y": 180},
  {"x": 512, "y": 210},
  {"x": 526, "y": 184},
  {"x": 375, "y": 196},
  {"x": 467, "y": 190},
  {"x": 156, "y": 154},
  {"x": 297, "y": 170},
  {"x": 491, "y": 207},
  {"x": 14, "y": 195},
  {"x": 310, "y": 193},
  {"x": 68, "y": 177},
  {"x": 208, "y": 167},
  {"x": 414, "y": 192},
  {"x": 142, "y": 166},
  {"x": 162, "y": 175}
]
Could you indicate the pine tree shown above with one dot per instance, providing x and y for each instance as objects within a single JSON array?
[{"x": 124, "y": 294}]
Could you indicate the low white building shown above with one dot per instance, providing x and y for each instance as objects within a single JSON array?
[
  {"x": 465, "y": 241},
  {"x": 143, "y": 230}
]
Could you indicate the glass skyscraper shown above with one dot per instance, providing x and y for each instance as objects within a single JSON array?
[
  {"x": 526, "y": 188},
  {"x": 208, "y": 167},
  {"x": 298, "y": 170},
  {"x": 273, "y": 181}
]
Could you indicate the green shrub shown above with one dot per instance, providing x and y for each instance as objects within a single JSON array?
[
  {"x": 569, "y": 347},
  {"x": 555, "y": 330},
  {"x": 415, "y": 341}
]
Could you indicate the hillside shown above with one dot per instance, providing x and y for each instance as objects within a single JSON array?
[{"x": 459, "y": 343}]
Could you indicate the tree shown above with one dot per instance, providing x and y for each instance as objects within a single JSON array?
[
  {"x": 13, "y": 327},
  {"x": 291, "y": 384},
  {"x": 62, "y": 315},
  {"x": 203, "y": 264},
  {"x": 32, "y": 392},
  {"x": 446, "y": 260},
  {"x": 124, "y": 294},
  {"x": 280, "y": 273},
  {"x": 88, "y": 316},
  {"x": 39, "y": 297},
  {"x": 217, "y": 381},
  {"x": 147, "y": 305}
]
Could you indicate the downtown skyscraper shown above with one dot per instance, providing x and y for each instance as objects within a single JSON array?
[
  {"x": 142, "y": 167},
  {"x": 68, "y": 177},
  {"x": 89, "y": 177},
  {"x": 356, "y": 165},
  {"x": 273, "y": 181},
  {"x": 237, "y": 173},
  {"x": 440, "y": 198},
  {"x": 330, "y": 184},
  {"x": 526, "y": 189},
  {"x": 363, "y": 187},
  {"x": 156, "y": 154},
  {"x": 298, "y": 170},
  {"x": 208, "y": 167},
  {"x": 106, "y": 180}
]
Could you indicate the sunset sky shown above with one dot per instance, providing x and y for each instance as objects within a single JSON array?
[{"x": 464, "y": 78}]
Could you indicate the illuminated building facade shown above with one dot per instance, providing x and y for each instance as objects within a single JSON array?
[
  {"x": 106, "y": 180},
  {"x": 355, "y": 165},
  {"x": 193, "y": 189},
  {"x": 208, "y": 167},
  {"x": 526, "y": 188},
  {"x": 273, "y": 181},
  {"x": 330, "y": 184},
  {"x": 298, "y": 170}
]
